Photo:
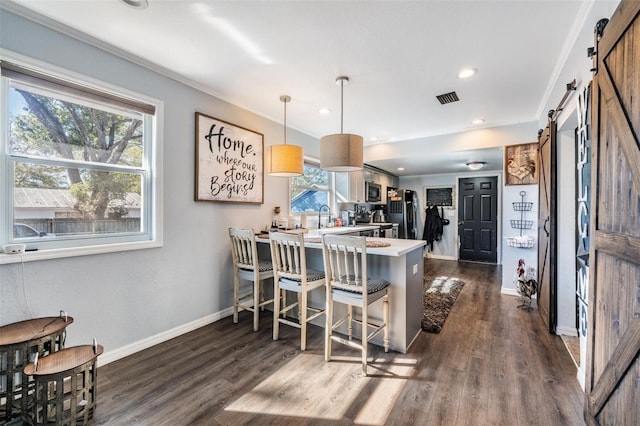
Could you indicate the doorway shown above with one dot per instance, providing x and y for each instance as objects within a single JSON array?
[{"x": 477, "y": 219}]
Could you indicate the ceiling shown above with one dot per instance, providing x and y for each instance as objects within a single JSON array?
[{"x": 399, "y": 55}]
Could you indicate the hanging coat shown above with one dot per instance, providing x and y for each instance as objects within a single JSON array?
[{"x": 432, "y": 226}]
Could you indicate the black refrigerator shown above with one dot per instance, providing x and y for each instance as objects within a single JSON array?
[{"x": 403, "y": 208}]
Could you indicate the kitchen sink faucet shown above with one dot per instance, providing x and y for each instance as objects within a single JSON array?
[{"x": 320, "y": 210}]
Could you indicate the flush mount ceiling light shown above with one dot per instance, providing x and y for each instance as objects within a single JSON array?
[
  {"x": 137, "y": 4},
  {"x": 285, "y": 160},
  {"x": 476, "y": 165},
  {"x": 478, "y": 121},
  {"x": 341, "y": 152},
  {"x": 467, "y": 72}
]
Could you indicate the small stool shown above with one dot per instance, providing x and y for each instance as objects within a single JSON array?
[
  {"x": 19, "y": 342},
  {"x": 65, "y": 385}
]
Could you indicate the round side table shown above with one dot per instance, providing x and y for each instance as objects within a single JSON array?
[
  {"x": 65, "y": 386},
  {"x": 19, "y": 342}
]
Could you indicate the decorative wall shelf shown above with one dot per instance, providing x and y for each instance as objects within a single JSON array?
[{"x": 522, "y": 241}]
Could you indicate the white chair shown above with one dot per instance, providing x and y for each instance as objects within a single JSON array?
[
  {"x": 290, "y": 273},
  {"x": 345, "y": 266},
  {"x": 247, "y": 266}
]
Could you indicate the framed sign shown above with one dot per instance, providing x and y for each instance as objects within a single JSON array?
[
  {"x": 229, "y": 162},
  {"x": 439, "y": 196},
  {"x": 521, "y": 164}
]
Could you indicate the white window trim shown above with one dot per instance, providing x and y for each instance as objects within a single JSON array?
[
  {"x": 331, "y": 187},
  {"x": 156, "y": 197}
]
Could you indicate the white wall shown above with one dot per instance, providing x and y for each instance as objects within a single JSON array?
[
  {"x": 511, "y": 255},
  {"x": 131, "y": 297},
  {"x": 126, "y": 298},
  {"x": 447, "y": 247}
]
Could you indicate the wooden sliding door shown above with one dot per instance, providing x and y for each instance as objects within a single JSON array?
[{"x": 613, "y": 333}]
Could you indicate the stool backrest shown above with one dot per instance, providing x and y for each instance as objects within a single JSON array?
[
  {"x": 288, "y": 255},
  {"x": 243, "y": 248},
  {"x": 345, "y": 263}
]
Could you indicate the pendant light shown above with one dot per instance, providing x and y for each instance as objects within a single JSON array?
[
  {"x": 285, "y": 160},
  {"x": 341, "y": 152}
]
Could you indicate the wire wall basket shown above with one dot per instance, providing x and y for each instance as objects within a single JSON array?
[
  {"x": 522, "y": 206},
  {"x": 521, "y": 224},
  {"x": 520, "y": 243}
]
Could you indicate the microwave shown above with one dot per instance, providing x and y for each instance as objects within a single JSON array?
[{"x": 373, "y": 192}]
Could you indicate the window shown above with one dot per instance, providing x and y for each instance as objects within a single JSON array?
[
  {"x": 77, "y": 161},
  {"x": 311, "y": 190}
]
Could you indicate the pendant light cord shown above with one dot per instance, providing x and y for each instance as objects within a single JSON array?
[
  {"x": 341, "y": 104},
  {"x": 285, "y": 99}
]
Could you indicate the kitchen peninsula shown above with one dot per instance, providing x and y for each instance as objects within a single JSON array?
[{"x": 398, "y": 261}]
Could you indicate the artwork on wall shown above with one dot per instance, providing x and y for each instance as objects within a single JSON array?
[
  {"x": 521, "y": 164},
  {"x": 229, "y": 162}
]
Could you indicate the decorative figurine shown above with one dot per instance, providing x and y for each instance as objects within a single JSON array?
[{"x": 526, "y": 284}]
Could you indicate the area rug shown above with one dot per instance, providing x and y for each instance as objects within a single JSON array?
[{"x": 439, "y": 296}]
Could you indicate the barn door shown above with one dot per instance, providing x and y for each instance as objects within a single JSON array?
[
  {"x": 547, "y": 226},
  {"x": 613, "y": 366}
]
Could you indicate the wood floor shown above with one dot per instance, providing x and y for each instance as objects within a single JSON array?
[{"x": 493, "y": 364}]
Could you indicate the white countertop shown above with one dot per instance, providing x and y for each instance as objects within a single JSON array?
[
  {"x": 342, "y": 229},
  {"x": 397, "y": 247}
]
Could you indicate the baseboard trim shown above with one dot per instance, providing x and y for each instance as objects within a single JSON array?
[
  {"x": 581, "y": 376},
  {"x": 439, "y": 256},
  {"x": 567, "y": 331},
  {"x": 509, "y": 291},
  {"x": 124, "y": 351},
  {"x": 412, "y": 340}
]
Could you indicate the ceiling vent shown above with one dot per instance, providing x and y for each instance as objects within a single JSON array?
[{"x": 447, "y": 98}]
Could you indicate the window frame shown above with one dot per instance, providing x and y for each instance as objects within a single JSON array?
[
  {"x": 151, "y": 235},
  {"x": 330, "y": 188}
]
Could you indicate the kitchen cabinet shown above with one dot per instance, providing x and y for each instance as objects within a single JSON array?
[
  {"x": 384, "y": 181},
  {"x": 350, "y": 186}
]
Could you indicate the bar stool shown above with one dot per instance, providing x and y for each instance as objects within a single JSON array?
[
  {"x": 65, "y": 385},
  {"x": 19, "y": 343},
  {"x": 247, "y": 266},
  {"x": 290, "y": 273},
  {"x": 345, "y": 266}
]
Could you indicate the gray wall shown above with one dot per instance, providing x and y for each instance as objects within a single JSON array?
[
  {"x": 128, "y": 299},
  {"x": 125, "y": 299}
]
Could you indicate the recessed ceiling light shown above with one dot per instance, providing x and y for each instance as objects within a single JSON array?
[
  {"x": 400, "y": 169},
  {"x": 478, "y": 121},
  {"x": 324, "y": 111},
  {"x": 137, "y": 4},
  {"x": 467, "y": 72}
]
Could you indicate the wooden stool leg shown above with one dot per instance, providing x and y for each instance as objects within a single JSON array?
[
  {"x": 302, "y": 313},
  {"x": 284, "y": 302},
  {"x": 385, "y": 317},
  {"x": 350, "y": 321},
  {"x": 256, "y": 304},
  {"x": 236, "y": 295},
  {"x": 328, "y": 326},
  {"x": 276, "y": 309},
  {"x": 365, "y": 320}
]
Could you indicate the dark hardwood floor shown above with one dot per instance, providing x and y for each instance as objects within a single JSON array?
[{"x": 493, "y": 364}]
